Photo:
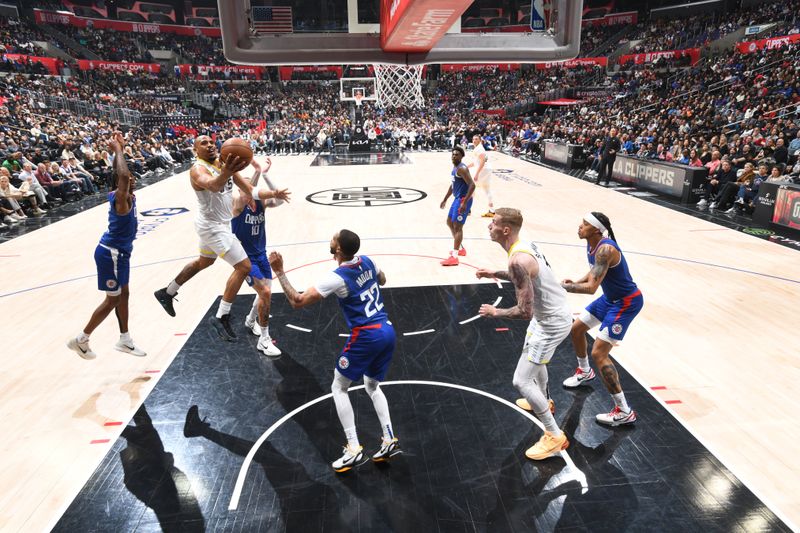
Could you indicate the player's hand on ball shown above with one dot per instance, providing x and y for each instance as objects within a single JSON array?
[
  {"x": 234, "y": 164},
  {"x": 487, "y": 310},
  {"x": 276, "y": 262},
  {"x": 484, "y": 273}
]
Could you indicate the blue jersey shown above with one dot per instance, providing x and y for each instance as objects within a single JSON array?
[
  {"x": 363, "y": 304},
  {"x": 121, "y": 228},
  {"x": 250, "y": 229},
  {"x": 618, "y": 282},
  {"x": 460, "y": 187}
]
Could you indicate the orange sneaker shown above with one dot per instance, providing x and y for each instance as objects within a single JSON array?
[
  {"x": 450, "y": 261},
  {"x": 488, "y": 214},
  {"x": 522, "y": 403},
  {"x": 548, "y": 446},
  {"x": 462, "y": 252}
]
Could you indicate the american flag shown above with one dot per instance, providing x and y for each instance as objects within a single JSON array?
[{"x": 272, "y": 19}]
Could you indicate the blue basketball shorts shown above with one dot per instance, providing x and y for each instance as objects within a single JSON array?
[
  {"x": 113, "y": 269},
  {"x": 259, "y": 269},
  {"x": 368, "y": 352},
  {"x": 454, "y": 215},
  {"x": 613, "y": 317}
]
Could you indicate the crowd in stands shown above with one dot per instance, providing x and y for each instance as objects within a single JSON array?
[{"x": 735, "y": 113}]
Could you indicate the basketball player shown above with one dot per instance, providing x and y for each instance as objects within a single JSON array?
[
  {"x": 461, "y": 187},
  {"x": 613, "y": 311},
  {"x": 112, "y": 257},
  {"x": 212, "y": 181},
  {"x": 483, "y": 172},
  {"x": 368, "y": 352},
  {"x": 542, "y": 300},
  {"x": 249, "y": 226}
]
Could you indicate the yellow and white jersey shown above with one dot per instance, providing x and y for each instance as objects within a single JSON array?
[
  {"x": 215, "y": 207},
  {"x": 549, "y": 297}
]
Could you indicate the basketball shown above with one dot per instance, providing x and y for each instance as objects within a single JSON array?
[{"x": 237, "y": 147}]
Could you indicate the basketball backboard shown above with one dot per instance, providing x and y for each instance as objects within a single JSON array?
[{"x": 349, "y": 32}]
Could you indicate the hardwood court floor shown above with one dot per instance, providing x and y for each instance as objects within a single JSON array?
[{"x": 710, "y": 335}]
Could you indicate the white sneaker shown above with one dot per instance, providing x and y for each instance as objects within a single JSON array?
[
  {"x": 351, "y": 458},
  {"x": 388, "y": 449},
  {"x": 266, "y": 346},
  {"x": 617, "y": 417},
  {"x": 731, "y": 211},
  {"x": 129, "y": 347},
  {"x": 81, "y": 348},
  {"x": 702, "y": 203},
  {"x": 578, "y": 378},
  {"x": 253, "y": 326},
  {"x": 713, "y": 205}
]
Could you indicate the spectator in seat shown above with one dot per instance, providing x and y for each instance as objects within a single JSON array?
[
  {"x": 13, "y": 163},
  {"x": 15, "y": 197},
  {"x": 55, "y": 187},
  {"x": 725, "y": 174},
  {"x": 729, "y": 190},
  {"x": 29, "y": 180},
  {"x": 781, "y": 153}
]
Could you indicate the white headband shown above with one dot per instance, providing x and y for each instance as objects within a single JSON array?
[{"x": 591, "y": 219}]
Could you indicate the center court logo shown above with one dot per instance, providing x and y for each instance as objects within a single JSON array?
[
  {"x": 367, "y": 196},
  {"x": 159, "y": 216}
]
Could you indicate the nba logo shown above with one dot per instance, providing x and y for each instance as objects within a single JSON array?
[{"x": 538, "y": 14}]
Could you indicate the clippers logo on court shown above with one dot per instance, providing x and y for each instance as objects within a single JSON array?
[
  {"x": 367, "y": 196},
  {"x": 161, "y": 215},
  {"x": 616, "y": 329},
  {"x": 344, "y": 362}
]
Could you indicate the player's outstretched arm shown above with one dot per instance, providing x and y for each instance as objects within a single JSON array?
[
  {"x": 605, "y": 256},
  {"x": 122, "y": 199},
  {"x": 296, "y": 299}
]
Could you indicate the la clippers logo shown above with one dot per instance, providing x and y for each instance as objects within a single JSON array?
[
  {"x": 111, "y": 284},
  {"x": 616, "y": 329},
  {"x": 344, "y": 362}
]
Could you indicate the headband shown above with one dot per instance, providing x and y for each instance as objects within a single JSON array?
[{"x": 591, "y": 219}]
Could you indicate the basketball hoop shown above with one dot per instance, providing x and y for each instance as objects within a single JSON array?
[{"x": 399, "y": 85}]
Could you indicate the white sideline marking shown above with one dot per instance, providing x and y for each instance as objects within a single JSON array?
[
  {"x": 420, "y": 332},
  {"x": 298, "y": 328},
  {"x": 476, "y": 317},
  {"x": 576, "y": 474}
]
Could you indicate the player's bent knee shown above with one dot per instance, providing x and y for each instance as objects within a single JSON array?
[{"x": 371, "y": 385}]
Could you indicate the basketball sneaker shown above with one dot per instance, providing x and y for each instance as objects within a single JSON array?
[
  {"x": 450, "y": 261},
  {"x": 547, "y": 446},
  {"x": 253, "y": 326},
  {"x": 222, "y": 325},
  {"x": 617, "y": 417},
  {"x": 165, "y": 299},
  {"x": 194, "y": 425},
  {"x": 488, "y": 214},
  {"x": 266, "y": 346},
  {"x": 522, "y": 403},
  {"x": 351, "y": 458},
  {"x": 129, "y": 347},
  {"x": 578, "y": 378},
  {"x": 388, "y": 449},
  {"x": 81, "y": 348},
  {"x": 462, "y": 252}
]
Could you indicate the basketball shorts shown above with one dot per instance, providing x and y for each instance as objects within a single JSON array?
[
  {"x": 259, "y": 269},
  {"x": 368, "y": 352},
  {"x": 218, "y": 240},
  {"x": 613, "y": 317},
  {"x": 454, "y": 214},
  {"x": 113, "y": 269},
  {"x": 544, "y": 336}
]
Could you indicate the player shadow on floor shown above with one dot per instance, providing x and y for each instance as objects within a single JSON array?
[
  {"x": 150, "y": 474},
  {"x": 559, "y": 507}
]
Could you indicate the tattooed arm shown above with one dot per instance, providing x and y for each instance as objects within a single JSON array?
[
  {"x": 296, "y": 299},
  {"x": 605, "y": 256},
  {"x": 522, "y": 268}
]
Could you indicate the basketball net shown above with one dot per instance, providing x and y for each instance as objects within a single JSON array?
[{"x": 399, "y": 85}]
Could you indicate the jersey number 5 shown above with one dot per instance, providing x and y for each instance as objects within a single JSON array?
[{"x": 371, "y": 297}]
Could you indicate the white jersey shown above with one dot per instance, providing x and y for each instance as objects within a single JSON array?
[
  {"x": 476, "y": 152},
  {"x": 215, "y": 207},
  {"x": 549, "y": 297}
]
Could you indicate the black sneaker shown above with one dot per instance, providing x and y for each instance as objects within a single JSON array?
[
  {"x": 194, "y": 425},
  {"x": 223, "y": 327},
  {"x": 165, "y": 299}
]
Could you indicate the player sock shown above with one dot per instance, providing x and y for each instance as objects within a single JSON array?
[
  {"x": 224, "y": 308},
  {"x": 583, "y": 364},
  {"x": 453, "y": 253},
  {"x": 619, "y": 400},
  {"x": 253, "y": 311},
  {"x": 352, "y": 437},
  {"x": 82, "y": 337},
  {"x": 172, "y": 288},
  {"x": 265, "y": 332},
  {"x": 125, "y": 337}
]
